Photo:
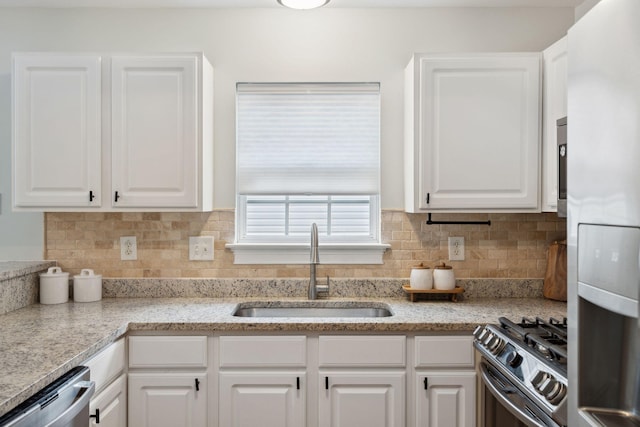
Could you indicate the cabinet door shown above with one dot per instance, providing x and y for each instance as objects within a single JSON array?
[
  {"x": 56, "y": 130},
  {"x": 478, "y": 132},
  {"x": 554, "y": 107},
  {"x": 372, "y": 399},
  {"x": 265, "y": 399},
  {"x": 168, "y": 400},
  {"x": 155, "y": 131},
  {"x": 110, "y": 405},
  {"x": 445, "y": 399}
]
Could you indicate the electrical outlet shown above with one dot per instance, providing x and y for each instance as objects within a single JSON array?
[
  {"x": 456, "y": 248},
  {"x": 128, "y": 248},
  {"x": 201, "y": 248}
]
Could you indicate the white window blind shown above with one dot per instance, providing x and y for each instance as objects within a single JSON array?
[{"x": 308, "y": 139}]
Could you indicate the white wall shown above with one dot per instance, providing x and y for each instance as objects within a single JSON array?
[
  {"x": 585, "y": 7},
  {"x": 274, "y": 44}
]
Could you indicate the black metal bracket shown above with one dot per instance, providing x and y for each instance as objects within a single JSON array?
[{"x": 431, "y": 222}]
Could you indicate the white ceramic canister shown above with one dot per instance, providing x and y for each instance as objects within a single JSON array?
[
  {"x": 54, "y": 286},
  {"x": 87, "y": 286},
  {"x": 421, "y": 277},
  {"x": 443, "y": 277}
]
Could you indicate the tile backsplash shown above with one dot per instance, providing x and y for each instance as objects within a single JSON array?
[{"x": 514, "y": 246}]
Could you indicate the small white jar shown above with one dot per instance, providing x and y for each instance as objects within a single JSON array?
[
  {"x": 421, "y": 277},
  {"x": 443, "y": 277},
  {"x": 87, "y": 286},
  {"x": 54, "y": 286}
]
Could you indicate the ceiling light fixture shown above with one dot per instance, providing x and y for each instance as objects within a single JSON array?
[{"x": 303, "y": 4}]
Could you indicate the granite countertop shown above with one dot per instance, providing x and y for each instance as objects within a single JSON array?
[
  {"x": 11, "y": 269},
  {"x": 41, "y": 342}
]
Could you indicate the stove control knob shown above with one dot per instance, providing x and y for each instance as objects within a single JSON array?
[
  {"x": 496, "y": 344},
  {"x": 553, "y": 390},
  {"x": 487, "y": 338},
  {"x": 558, "y": 393},
  {"x": 540, "y": 379},
  {"x": 514, "y": 359},
  {"x": 478, "y": 332}
]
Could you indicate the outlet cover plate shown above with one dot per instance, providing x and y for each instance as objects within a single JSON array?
[
  {"x": 456, "y": 248},
  {"x": 128, "y": 248},
  {"x": 201, "y": 248}
]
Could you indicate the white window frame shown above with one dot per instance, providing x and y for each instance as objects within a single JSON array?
[{"x": 295, "y": 250}]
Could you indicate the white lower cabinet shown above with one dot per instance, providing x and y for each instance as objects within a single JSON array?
[
  {"x": 444, "y": 381},
  {"x": 445, "y": 399},
  {"x": 168, "y": 383},
  {"x": 369, "y": 398},
  {"x": 168, "y": 399},
  {"x": 300, "y": 381},
  {"x": 265, "y": 399},
  {"x": 109, "y": 408}
]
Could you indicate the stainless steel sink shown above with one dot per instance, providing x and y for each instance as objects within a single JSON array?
[{"x": 312, "y": 310}]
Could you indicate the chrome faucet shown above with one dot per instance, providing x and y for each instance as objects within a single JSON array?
[{"x": 314, "y": 288}]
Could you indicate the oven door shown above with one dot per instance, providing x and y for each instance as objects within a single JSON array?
[{"x": 504, "y": 405}]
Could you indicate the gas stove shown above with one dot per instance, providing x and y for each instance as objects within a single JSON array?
[{"x": 532, "y": 356}]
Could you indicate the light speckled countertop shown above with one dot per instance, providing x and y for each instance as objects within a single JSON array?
[
  {"x": 11, "y": 269},
  {"x": 39, "y": 343}
]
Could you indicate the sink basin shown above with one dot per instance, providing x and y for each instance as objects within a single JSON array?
[{"x": 303, "y": 309}]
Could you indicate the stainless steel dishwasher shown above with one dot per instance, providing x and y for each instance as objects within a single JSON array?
[{"x": 63, "y": 403}]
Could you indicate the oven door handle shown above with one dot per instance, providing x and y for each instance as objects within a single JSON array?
[{"x": 492, "y": 383}]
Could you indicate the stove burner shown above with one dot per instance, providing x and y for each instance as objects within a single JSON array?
[{"x": 548, "y": 339}]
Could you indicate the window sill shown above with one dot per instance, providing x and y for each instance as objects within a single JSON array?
[{"x": 269, "y": 253}]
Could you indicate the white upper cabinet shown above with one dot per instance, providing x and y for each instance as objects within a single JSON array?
[
  {"x": 56, "y": 130},
  {"x": 156, "y": 117},
  {"x": 554, "y": 107},
  {"x": 154, "y": 134},
  {"x": 472, "y": 132}
]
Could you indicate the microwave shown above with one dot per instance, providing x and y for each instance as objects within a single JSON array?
[{"x": 562, "y": 166}]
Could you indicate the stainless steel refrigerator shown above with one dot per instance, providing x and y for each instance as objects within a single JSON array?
[{"x": 603, "y": 220}]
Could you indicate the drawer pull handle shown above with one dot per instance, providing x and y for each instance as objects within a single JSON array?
[
  {"x": 96, "y": 416},
  {"x": 197, "y": 384},
  {"x": 298, "y": 383},
  {"x": 117, "y": 196},
  {"x": 326, "y": 383},
  {"x": 91, "y": 196},
  {"x": 426, "y": 383}
]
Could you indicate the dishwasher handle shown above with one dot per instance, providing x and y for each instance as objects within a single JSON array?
[{"x": 80, "y": 403}]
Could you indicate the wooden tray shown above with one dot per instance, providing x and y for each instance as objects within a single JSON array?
[{"x": 413, "y": 293}]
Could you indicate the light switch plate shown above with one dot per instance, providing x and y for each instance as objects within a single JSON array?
[
  {"x": 128, "y": 248},
  {"x": 201, "y": 248},
  {"x": 456, "y": 248}
]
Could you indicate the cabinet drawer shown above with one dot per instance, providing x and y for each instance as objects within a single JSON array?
[
  {"x": 443, "y": 351},
  {"x": 280, "y": 351},
  {"x": 386, "y": 351},
  {"x": 168, "y": 352},
  {"x": 107, "y": 365}
]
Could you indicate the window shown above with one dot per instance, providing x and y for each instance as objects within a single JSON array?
[{"x": 307, "y": 153}]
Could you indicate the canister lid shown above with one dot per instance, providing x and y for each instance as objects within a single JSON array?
[
  {"x": 87, "y": 273},
  {"x": 421, "y": 267},
  {"x": 54, "y": 272},
  {"x": 443, "y": 266}
]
